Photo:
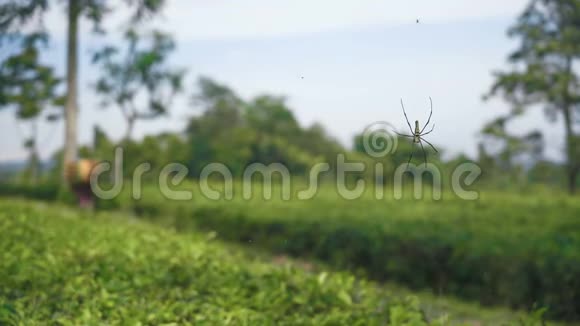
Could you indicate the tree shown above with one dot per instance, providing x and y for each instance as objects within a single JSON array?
[
  {"x": 236, "y": 133},
  {"x": 317, "y": 142},
  {"x": 511, "y": 147},
  {"x": 213, "y": 133},
  {"x": 139, "y": 83},
  {"x": 14, "y": 14},
  {"x": 549, "y": 31},
  {"x": 512, "y": 154},
  {"x": 31, "y": 89},
  {"x": 271, "y": 116}
]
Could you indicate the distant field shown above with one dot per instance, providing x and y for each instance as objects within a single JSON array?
[{"x": 509, "y": 249}]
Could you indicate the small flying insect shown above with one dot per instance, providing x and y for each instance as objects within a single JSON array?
[{"x": 418, "y": 133}]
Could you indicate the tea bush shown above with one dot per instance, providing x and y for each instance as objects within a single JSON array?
[
  {"x": 507, "y": 249},
  {"x": 61, "y": 267}
]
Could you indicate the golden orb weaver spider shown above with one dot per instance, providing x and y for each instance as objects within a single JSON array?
[{"x": 418, "y": 133}]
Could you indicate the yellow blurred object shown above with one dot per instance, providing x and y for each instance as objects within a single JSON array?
[
  {"x": 80, "y": 171},
  {"x": 85, "y": 167}
]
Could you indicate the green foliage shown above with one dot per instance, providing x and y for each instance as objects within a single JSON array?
[
  {"x": 546, "y": 172},
  {"x": 237, "y": 133},
  {"x": 550, "y": 36},
  {"x": 141, "y": 72},
  {"x": 66, "y": 196},
  {"x": 74, "y": 270},
  {"x": 52, "y": 192},
  {"x": 270, "y": 116},
  {"x": 15, "y": 13},
  {"x": 47, "y": 192},
  {"x": 30, "y": 88},
  {"x": 158, "y": 151},
  {"x": 25, "y": 83},
  {"x": 501, "y": 249}
]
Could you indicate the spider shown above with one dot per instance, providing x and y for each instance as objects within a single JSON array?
[{"x": 418, "y": 134}]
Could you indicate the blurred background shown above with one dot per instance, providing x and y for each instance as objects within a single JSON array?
[
  {"x": 338, "y": 65},
  {"x": 299, "y": 83}
]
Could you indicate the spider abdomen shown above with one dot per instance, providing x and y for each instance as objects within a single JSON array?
[{"x": 417, "y": 132}]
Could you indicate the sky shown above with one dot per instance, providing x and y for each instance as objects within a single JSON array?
[{"x": 343, "y": 64}]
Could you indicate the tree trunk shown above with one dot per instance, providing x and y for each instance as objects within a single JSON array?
[
  {"x": 572, "y": 166},
  {"x": 71, "y": 106},
  {"x": 34, "y": 167},
  {"x": 34, "y": 157},
  {"x": 130, "y": 126},
  {"x": 572, "y": 176}
]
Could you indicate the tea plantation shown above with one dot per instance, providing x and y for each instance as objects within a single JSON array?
[
  {"x": 513, "y": 250},
  {"x": 61, "y": 268},
  {"x": 78, "y": 268}
]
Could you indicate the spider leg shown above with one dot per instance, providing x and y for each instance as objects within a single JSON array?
[
  {"x": 409, "y": 161},
  {"x": 436, "y": 151},
  {"x": 424, "y": 153},
  {"x": 403, "y": 135},
  {"x": 425, "y": 126},
  {"x": 405, "y": 113},
  {"x": 428, "y": 132}
]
